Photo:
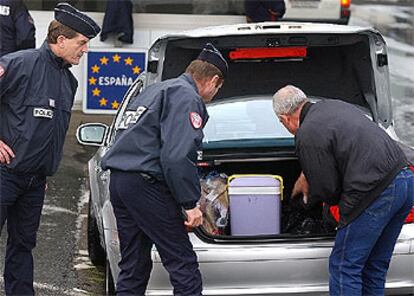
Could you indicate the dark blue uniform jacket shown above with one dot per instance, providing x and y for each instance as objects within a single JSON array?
[
  {"x": 162, "y": 136},
  {"x": 36, "y": 95},
  {"x": 17, "y": 29}
]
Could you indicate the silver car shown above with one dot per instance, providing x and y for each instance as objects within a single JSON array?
[{"x": 243, "y": 136}]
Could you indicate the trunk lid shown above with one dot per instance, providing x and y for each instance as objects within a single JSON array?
[{"x": 325, "y": 60}]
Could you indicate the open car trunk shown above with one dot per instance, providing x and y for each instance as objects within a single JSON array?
[{"x": 294, "y": 218}]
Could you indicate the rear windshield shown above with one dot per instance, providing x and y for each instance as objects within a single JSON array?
[{"x": 244, "y": 118}]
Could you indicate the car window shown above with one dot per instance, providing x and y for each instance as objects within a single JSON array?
[{"x": 242, "y": 119}]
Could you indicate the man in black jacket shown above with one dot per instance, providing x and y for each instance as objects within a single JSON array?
[
  {"x": 349, "y": 160},
  {"x": 17, "y": 30}
]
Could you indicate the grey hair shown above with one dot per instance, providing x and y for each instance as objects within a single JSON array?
[{"x": 287, "y": 100}]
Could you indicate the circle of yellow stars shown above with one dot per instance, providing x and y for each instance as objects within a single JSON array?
[{"x": 96, "y": 92}]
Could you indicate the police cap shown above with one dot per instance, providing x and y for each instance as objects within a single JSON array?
[
  {"x": 69, "y": 16},
  {"x": 211, "y": 55}
]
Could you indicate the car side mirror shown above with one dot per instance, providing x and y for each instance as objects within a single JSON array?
[{"x": 92, "y": 134}]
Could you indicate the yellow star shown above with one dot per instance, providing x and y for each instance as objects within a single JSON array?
[
  {"x": 102, "y": 102},
  {"x": 116, "y": 58},
  {"x": 96, "y": 92},
  {"x": 104, "y": 60},
  {"x": 136, "y": 70},
  {"x": 128, "y": 61},
  {"x": 115, "y": 105},
  {"x": 95, "y": 69},
  {"x": 92, "y": 81}
]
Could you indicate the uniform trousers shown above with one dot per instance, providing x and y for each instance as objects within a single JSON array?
[
  {"x": 146, "y": 215},
  {"x": 21, "y": 202},
  {"x": 363, "y": 249}
]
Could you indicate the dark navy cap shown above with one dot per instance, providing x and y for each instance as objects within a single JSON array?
[
  {"x": 69, "y": 16},
  {"x": 211, "y": 55}
]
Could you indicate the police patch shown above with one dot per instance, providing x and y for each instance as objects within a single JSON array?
[
  {"x": 196, "y": 120},
  {"x": 2, "y": 71},
  {"x": 40, "y": 112}
]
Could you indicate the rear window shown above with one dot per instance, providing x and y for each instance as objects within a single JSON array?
[{"x": 245, "y": 118}]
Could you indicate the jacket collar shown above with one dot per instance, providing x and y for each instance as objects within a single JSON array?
[
  {"x": 52, "y": 58},
  {"x": 304, "y": 111}
]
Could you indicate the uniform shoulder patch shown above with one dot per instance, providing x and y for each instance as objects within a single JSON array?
[
  {"x": 2, "y": 71},
  {"x": 196, "y": 120}
]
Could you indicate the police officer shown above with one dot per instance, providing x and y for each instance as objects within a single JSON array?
[
  {"x": 37, "y": 91},
  {"x": 17, "y": 30},
  {"x": 154, "y": 179}
]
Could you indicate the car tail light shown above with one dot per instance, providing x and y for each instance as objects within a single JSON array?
[
  {"x": 345, "y": 8},
  {"x": 335, "y": 214},
  {"x": 410, "y": 217},
  {"x": 345, "y": 3},
  {"x": 263, "y": 53}
]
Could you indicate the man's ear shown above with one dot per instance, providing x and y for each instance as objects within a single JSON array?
[
  {"x": 60, "y": 41},
  {"x": 216, "y": 80}
]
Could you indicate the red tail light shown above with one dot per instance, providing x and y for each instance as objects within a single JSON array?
[
  {"x": 345, "y": 3},
  {"x": 335, "y": 213},
  {"x": 261, "y": 53},
  {"x": 345, "y": 8},
  {"x": 410, "y": 217}
]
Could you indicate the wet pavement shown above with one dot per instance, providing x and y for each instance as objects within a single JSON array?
[
  {"x": 396, "y": 23},
  {"x": 62, "y": 266}
]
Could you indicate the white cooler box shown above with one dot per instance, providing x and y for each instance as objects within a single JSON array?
[{"x": 254, "y": 202}]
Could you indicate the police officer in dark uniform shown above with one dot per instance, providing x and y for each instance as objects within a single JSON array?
[
  {"x": 17, "y": 30},
  {"x": 154, "y": 180},
  {"x": 37, "y": 91}
]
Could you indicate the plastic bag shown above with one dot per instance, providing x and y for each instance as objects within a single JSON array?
[{"x": 214, "y": 203}]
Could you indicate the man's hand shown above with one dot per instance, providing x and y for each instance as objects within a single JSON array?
[
  {"x": 6, "y": 154},
  {"x": 301, "y": 186},
  {"x": 194, "y": 217}
]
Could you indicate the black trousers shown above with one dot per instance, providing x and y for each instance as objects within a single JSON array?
[
  {"x": 147, "y": 214},
  {"x": 21, "y": 201}
]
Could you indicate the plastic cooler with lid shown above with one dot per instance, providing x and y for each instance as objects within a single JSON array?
[{"x": 254, "y": 202}]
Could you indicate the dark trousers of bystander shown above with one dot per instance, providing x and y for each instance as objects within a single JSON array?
[{"x": 21, "y": 202}]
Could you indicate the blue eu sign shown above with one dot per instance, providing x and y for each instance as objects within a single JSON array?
[{"x": 109, "y": 75}]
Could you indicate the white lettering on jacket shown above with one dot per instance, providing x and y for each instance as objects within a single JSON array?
[
  {"x": 4, "y": 10},
  {"x": 40, "y": 112}
]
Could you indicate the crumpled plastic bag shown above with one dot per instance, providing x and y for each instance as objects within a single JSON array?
[{"x": 214, "y": 203}]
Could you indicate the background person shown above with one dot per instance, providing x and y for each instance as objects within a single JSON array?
[
  {"x": 349, "y": 160},
  {"x": 17, "y": 30},
  {"x": 154, "y": 177},
  {"x": 37, "y": 91},
  {"x": 264, "y": 10}
]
